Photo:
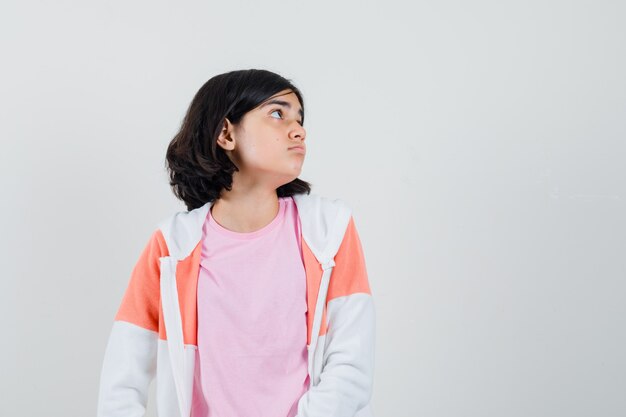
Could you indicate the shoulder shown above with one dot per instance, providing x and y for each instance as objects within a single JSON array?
[
  {"x": 325, "y": 221},
  {"x": 182, "y": 230},
  {"x": 321, "y": 205}
]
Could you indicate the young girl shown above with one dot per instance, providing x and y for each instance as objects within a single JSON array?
[{"x": 255, "y": 302}]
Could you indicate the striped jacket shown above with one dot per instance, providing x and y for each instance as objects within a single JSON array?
[{"x": 155, "y": 329}]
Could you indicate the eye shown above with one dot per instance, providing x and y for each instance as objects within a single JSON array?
[{"x": 281, "y": 113}]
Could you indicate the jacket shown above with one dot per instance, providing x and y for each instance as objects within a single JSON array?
[{"x": 154, "y": 333}]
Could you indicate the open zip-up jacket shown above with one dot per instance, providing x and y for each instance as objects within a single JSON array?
[{"x": 155, "y": 329}]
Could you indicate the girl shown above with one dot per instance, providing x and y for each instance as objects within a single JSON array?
[{"x": 255, "y": 302}]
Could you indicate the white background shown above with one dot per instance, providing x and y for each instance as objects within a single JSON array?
[{"x": 480, "y": 144}]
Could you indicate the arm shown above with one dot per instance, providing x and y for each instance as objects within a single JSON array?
[
  {"x": 130, "y": 357},
  {"x": 346, "y": 379}
]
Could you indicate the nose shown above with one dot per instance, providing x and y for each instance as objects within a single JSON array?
[{"x": 298, "y": 132}]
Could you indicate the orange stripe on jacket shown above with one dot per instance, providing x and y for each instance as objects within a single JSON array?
[
  {"x": 313, "y": 271},
  {"x": 141, "y": 301},
  {"x": 350, "y": 273},
  {"x": 187, "y": 271},
  {"x": 141, "y": 304}
]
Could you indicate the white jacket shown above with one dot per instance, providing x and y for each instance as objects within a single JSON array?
[{"x": 155, "y": 329}]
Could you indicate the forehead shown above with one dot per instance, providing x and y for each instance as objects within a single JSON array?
[{"x": 286, "y": 99}]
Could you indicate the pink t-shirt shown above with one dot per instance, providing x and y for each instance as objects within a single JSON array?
[{"x": 252, "y": 333}]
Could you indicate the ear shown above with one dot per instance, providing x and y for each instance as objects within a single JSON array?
[{"x": 225, "y": 138}]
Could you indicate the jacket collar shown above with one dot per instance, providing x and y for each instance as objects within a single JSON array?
[{"x": 324, "y": 222}]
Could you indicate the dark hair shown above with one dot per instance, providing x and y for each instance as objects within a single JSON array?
[{"x": 198, "y": 168}]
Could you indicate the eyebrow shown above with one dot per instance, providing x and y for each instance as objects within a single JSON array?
[{"x": 281, "y": 103}]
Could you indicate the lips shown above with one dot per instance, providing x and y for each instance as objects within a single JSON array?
[{"x": 297, "y": 148}]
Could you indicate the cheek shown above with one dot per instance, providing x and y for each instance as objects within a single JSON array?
[
  {"x": 266, "y": 146},
  {"x": 261, "y": 153}
]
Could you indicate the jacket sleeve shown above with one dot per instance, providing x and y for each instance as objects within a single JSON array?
[
  {"x": 130, "y": 357},
  {"x": 346, "y": 379}
]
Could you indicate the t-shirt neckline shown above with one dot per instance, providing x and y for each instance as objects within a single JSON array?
[{"x": 215, "y": 226}]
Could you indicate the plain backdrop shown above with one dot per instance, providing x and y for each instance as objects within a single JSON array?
[{"x": 480, "y": 144}]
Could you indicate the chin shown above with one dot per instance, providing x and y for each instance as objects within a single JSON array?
[{"x": 297, "y": 169}]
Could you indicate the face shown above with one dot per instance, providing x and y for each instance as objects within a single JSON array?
[{"x": 262, "y": 144}]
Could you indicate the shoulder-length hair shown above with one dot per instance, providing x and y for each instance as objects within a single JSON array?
[{"x": 198, "y": 168}]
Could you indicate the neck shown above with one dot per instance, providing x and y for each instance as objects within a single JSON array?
[{"x": 245, "y": 211}]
